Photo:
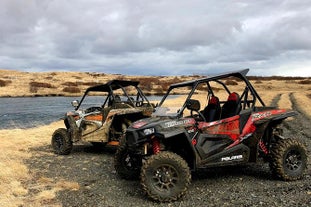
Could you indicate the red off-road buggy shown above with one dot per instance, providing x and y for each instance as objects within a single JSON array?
[{"x": 232, "y": 127}]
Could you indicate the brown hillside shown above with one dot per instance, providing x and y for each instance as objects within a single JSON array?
[{"x": 16, "y": 83}]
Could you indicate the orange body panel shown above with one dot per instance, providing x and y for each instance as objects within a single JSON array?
[{"x": 96, "y": 117}]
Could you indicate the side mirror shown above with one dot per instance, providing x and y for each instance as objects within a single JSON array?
[
  {"x": 75, "y": 103},
  {"x": 193, "y": 105}
]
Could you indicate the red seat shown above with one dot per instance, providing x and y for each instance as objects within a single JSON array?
[
  {"x": 232, "y": 106},
  {"x": 212, "y": 111}
]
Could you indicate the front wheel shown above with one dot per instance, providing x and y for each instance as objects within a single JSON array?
[
  {"x": 61, "y": 142},
  {"x": 288, "y": 159},
  {"x": 165, "y": 177},
  {"x": 126, "y": 164}
]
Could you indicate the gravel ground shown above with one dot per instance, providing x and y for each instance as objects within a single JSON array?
[{"x": 248, "y": 185}]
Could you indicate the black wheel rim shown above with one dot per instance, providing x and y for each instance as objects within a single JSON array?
[
  {"x": 129, "y": 162},
  {"x": 293, "y": 160},
  {"x": 165, "y": 178},
  {"x": 58, "y": 141}
]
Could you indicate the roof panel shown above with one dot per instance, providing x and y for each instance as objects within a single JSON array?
[{"x": 114, "y": 85}]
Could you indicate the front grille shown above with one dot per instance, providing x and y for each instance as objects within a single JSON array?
[{"x": 135, "y": 138}]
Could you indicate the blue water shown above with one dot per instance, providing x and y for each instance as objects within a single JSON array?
[{"x": 34, "y": 111}]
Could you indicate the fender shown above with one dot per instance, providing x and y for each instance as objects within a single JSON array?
[
  {"x": 274, "y": 116},
  {"x": 72, "y": 128},
  {"x": 257, "y": 122},
  {"x": 259, "y": 118},
  {"x": 272, "y": 120},
  {"x": 166, "y": 134},
  {"x": 181, "y": 142}
]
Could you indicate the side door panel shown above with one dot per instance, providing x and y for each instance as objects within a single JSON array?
[
  {"x": 209, "y": 144},
  {"x": 212, "y": 144},
  {"x": 229, "y": 126}
]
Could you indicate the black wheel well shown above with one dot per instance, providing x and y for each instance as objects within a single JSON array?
[
  {"x": 268, "y": 135},
  {"x": 181, "y": 145}
]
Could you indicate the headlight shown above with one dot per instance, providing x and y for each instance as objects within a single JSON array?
[{"x": 149, "y": 131}]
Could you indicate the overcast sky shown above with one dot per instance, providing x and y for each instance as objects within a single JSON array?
[{"x": 169, "y": 37}]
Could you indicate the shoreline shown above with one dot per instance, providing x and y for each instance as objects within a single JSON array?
[
  {"x": 34, "y": 96},
  {"x": 32, "y": 127},
  {"x": 68, "y": 95}
]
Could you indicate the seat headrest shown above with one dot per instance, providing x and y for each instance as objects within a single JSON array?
[
  {"x": 213, "y": 100},
  {"x": 233, "y": 97}
]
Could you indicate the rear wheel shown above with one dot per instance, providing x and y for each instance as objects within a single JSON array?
[
  {"x": 288, "y": 159},
  {"x": 61, "y": 142},
  {"x": 165, "y": 177}
]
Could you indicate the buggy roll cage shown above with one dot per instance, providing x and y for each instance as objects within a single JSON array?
[
  {"x": 112, "y": 85},
  {"x": 241, "y": 74}
]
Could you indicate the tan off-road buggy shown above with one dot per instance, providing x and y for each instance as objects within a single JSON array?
[{"x": 102, "y": 116}]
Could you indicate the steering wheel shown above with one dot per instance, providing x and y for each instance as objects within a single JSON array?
[
  {"x": 139, "y": 103},
  {"x": 199, "y": 113},
  {"x": 92, "y": 109},
  {"x": 139, "y": 100}
]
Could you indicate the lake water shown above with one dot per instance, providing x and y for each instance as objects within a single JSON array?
[{"x": 33, "y": 111}]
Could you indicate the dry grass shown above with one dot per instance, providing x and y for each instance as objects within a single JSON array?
[
  {"x": 71, "y": 89},
  {"x": 14, "y": 174}
]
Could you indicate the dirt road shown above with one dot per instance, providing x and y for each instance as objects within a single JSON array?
[{"x": 98, "y": 184}]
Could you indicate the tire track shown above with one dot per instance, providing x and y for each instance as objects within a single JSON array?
[
  {"x": 300, "y": 125},
  {"x": 303, "y": 122},
  {"x": 274, "y": 103},
  {"x": 275, "y": 100}
]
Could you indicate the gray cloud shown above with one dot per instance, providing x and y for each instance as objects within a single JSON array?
[{"x": 157, "y": 37}]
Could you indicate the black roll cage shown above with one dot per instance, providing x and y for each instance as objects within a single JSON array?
[
  {"x": 112, "y": 85},
  {"x": 216, "y": 78}
]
